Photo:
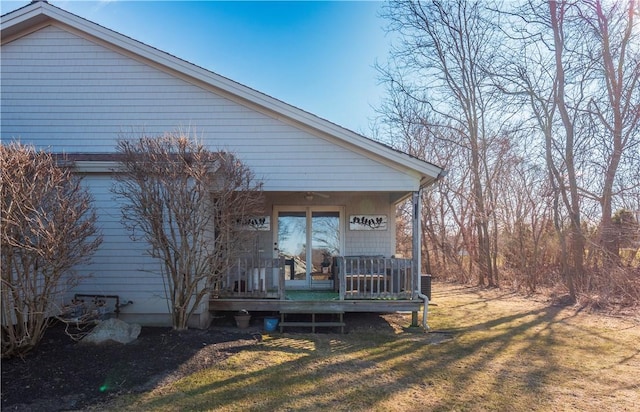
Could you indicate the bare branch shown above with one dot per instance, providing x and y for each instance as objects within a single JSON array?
[
  {"x": 48, "y": 227},
  {"x": 185, "y": 202}
]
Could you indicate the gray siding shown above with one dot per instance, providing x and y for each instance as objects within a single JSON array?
[
  {"x": 120, "y": 267},
  {"x": 67, "y": 93}
]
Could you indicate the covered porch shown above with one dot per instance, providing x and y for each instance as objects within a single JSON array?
[
  {"x": 353, "y": 284},
  {"x": 325, "y": 252}
]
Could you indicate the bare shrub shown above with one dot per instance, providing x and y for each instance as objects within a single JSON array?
[
  {"x": 186, "y": 203},
  {"x": 611, "y": 286},
  {"x": 47, "y": 227}
]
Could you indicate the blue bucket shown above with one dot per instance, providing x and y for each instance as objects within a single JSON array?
[{"x": 270, "y": 324}]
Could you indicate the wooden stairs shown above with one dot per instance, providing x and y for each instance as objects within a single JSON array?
[{"x": 314, "y": 322}]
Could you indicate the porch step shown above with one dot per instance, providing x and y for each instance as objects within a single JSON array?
[{"x": 314, "y": 322}]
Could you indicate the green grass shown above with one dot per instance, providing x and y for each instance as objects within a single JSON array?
[{"x": 487, "y": 351}]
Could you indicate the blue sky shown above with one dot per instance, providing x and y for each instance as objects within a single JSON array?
[{"x": 315, "y": 55}]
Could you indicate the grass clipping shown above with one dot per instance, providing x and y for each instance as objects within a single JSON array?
[{"x": 489, "y": 351}]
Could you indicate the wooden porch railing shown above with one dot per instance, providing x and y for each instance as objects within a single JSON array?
[
  {"x": 372, "y": 277},
  {"x": 355, "y": 277},
  {"x": 251, "y": 278}
]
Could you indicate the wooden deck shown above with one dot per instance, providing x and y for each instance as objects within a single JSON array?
[
  {"x": 360, "y": 284},
  {"x": 318, "y": 306},
  {"x": 352, "y": 277}
]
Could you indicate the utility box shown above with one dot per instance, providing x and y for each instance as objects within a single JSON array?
[{"x": 425, "y": 285}]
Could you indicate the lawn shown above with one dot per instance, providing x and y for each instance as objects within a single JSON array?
[{"x": 488, "y": 350}]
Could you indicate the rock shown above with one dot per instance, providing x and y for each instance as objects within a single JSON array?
[{"x": 113, "y": 330}]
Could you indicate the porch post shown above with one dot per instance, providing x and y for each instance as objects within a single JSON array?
[{"x": 416, "y": 268}]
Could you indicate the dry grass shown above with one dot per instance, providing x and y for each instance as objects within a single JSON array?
[{"x": 488, "y": 351}]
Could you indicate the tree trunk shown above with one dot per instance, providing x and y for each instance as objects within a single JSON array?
[{"x": 572, "y": 203}]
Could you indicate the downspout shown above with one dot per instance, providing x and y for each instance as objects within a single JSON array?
[
  {"x": 417, "y": 257},
  {"x": 425, "y": 310},
  {"x": 417, "y": 246},
  {"x": 416, "y": 264}
]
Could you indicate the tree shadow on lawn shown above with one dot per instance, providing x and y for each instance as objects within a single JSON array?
[
  {"x": 357, "y": 371},
  {"x": 506, "y": 363},
  {"x": 482, "y": 294}
]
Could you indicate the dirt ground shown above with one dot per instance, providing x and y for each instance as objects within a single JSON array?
[{"x": 62, "y": 374}]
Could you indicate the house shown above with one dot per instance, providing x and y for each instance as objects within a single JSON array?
[{"x": 72, "y": 86}]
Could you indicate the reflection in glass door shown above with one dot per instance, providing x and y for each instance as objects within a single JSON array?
[
  {"x": 315, "y": 226},
  {"x": 325, "y": 244},
  {"x": 292, "y": 245}
]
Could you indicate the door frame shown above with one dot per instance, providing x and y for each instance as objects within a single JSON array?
[{"x": 308, "y": 209}]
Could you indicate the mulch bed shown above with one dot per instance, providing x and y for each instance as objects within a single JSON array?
[{"x": 62, "y": 374}]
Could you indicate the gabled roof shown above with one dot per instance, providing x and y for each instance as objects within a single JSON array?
[{"x": 39, "y": 14}]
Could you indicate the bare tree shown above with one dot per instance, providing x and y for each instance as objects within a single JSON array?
[
  {"x": 568, "y": 183},
  {"x": 575, "y": 65},
  {"x": 48, "y": 227},
  {"x": 189, "y": 204},
  {"x": 441, "y": 64},
  {"x": 613, "y": 32},
  {"x": 527, "y": 233},
  {"x": 448, "y": 232},
  {"x": 500, "y": 92},
  {"x": 541, "y": 69},
  {"x": 627, "y": 233}
]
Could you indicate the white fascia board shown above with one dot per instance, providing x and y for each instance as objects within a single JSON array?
[
  {"x": 20, "y": 15},
  {"x": 10, "y": 23},
  {"x": 24, "y": 13}
]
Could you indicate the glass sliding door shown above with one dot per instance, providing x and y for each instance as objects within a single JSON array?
[
  {"x": 325, "y": 244},
  {"x": 301, "y": 227},
  {"x": 292, "y": 245}
]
